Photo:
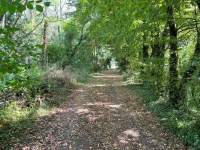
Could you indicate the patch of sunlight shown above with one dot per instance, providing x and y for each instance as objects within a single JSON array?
[
  {"x": 107, "y": 105},
  {"x": 47, "y": 112},
  {"x": 79, "y": 90},
  {"x": 113, "y": 106},
  {"x": 180, "y": 124},
  {"x": 126, "y": 135},
  {"x": 93, "y": 117},
  {"x": 100, "y": 93},
  {"x": 185, "y": 123},
  {"x": 157, "y": 101},
  {"x": 43, "y": 112},
  {"x": 98, "y": 85},
  {"x": 131, "y": 133},
  {"x": 112, "y": 76},
  {"x": 14, "y": 113},
  {"x": 122, "y": 139},
  {"x": 61, "y": 110},
  {"x": 108, "y": 85},
  {"x": 82, "y": 111},
  {"x": 96, "y": 104}
]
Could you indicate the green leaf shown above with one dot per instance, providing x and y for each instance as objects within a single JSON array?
[
  {"x": 47, "y": 4},
  {"x": 39, "y": 8},
  {"x": 11, "y": 9},
  {"x": 2, "y": 11},
  {"x": 31, "y": 1},
  {"x": 21, "y": 8},
  {"x": 13, "y": 83},
  {"x": 39, "y": 1},
  {"x": 14, "y": 29},
  {"x": 3, "y": 3},
  {"x": 3, "y": 53},
  {"x": 41, "y": 46},
  {"x": 30, "y": 6}
]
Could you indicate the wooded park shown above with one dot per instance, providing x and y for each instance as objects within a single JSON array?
[{"x": 99, "y": 74}]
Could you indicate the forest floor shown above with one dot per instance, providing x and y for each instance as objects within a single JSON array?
[{"x": 103, "y": 114}]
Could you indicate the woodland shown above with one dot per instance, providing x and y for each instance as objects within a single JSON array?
[{"x": 50, "y": 47}]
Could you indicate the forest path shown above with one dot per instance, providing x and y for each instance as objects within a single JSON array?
[{"x": 103, "y": 115}]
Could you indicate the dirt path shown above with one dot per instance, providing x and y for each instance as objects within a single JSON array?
[{"x": 103, "y": 115}]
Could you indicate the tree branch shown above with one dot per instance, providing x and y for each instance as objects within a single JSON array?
[
  {"x": 18, "y": 17},
  {"x": 34, "y": 28}
]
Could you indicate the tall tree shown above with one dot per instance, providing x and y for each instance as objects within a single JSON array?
[{"x": 174, "y": 96}]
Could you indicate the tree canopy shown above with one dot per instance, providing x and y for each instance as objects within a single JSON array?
[{"x": 156, "y": 42}]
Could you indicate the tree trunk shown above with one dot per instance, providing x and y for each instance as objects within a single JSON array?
[
  {"x": 44, "y": 52},
  {"x": 158, "y": 51},
  {"x": 145, "y": 56},
  {"x": 145, "y": 47},
  {"x": 187, "y": 75},
  {"x": 156, "y": 61},
  {"x": 174, "y": 95},
  {"x": 3, "y": 21}
]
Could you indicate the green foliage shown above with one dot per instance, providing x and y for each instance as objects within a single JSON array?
[
  {"x": 30, "y": 6},
  {"x": 47, "y": 4},
  {"x": 13, "y": 68},
  {"x": 57, "y": 54},
  {"x": 24, "y": 109},
  {"x": 17, "y": 55},
  {"x": 39, "y": 8},
  {"x": 156, "y": 43},
  {"x": 153, "y": 42},
  {"x": 184, "y": 123}
]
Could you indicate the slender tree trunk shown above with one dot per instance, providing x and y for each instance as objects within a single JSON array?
[
  {"x": 145, "y": 56},
  {"x": 44, "y": 52},
  {"x": 3, "y": 21},
  {"x": 156, "y": 62},
  {"x": 158, "y": 51},
  {"x": 74, "y": 49},
  {"x": 123, "y": 64},
  {"x": 174, "y": 95}
]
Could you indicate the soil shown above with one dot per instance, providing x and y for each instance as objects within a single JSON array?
[{"x": 102, "y": 115}]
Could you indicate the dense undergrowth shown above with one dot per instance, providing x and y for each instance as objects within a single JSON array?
[
  {"x": 21, "y": 109},
  {"x": 183, "y": 122}
]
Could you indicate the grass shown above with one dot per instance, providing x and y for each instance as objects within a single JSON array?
[{"x": 183, "y": 123}]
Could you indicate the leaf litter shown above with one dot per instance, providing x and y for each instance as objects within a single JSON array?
[{"x": 104, "y": 114}]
